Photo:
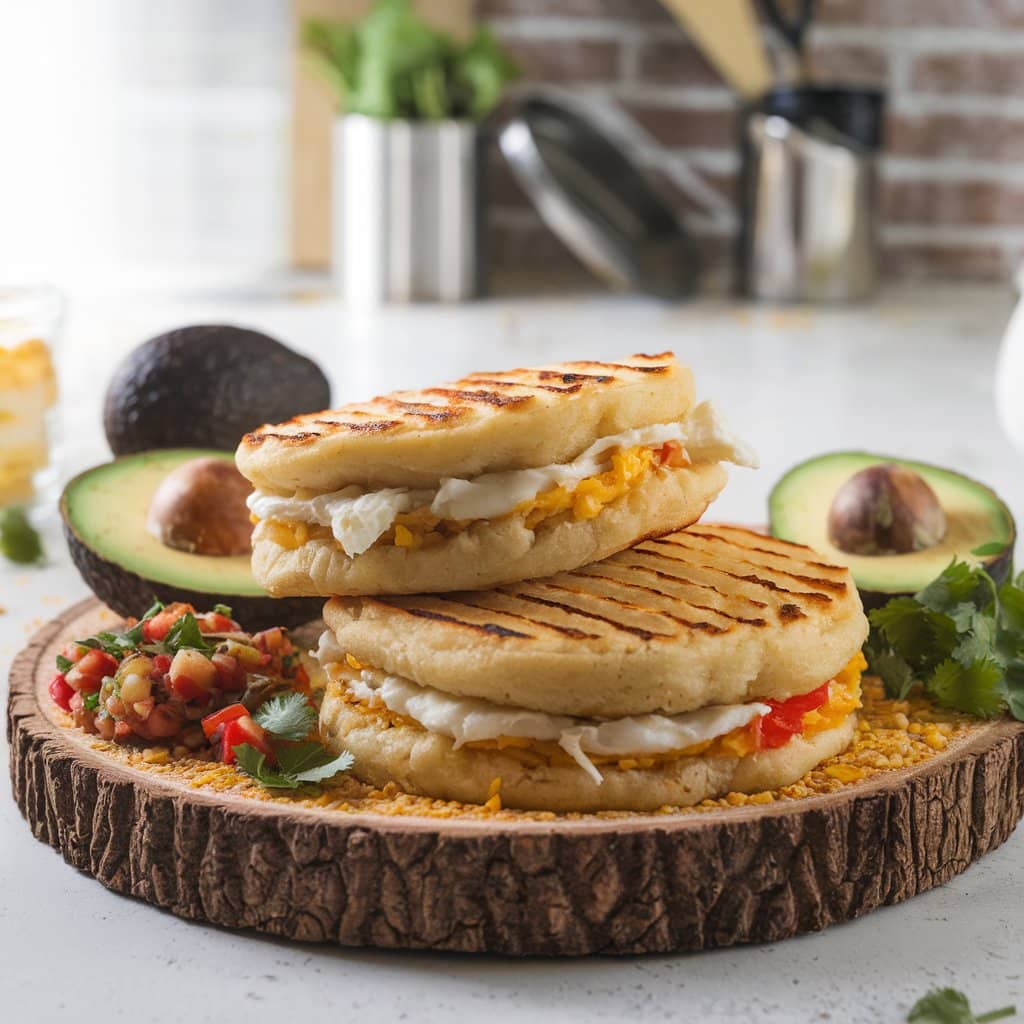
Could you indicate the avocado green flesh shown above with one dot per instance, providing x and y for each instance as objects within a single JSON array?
[
  {"x": 800, "y": 502},
  {"x": 106, "y": 508}
]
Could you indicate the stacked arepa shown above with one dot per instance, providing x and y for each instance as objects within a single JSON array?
[{"x": 516, "y": 605}]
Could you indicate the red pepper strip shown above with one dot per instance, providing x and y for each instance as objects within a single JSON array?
[
  {"x": 785, "y": 720},
  {"x": 211, "y": 723}
]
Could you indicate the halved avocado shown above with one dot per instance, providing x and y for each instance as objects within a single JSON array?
[
  {"x": 104, "y": 512},
  {"x": 976, "y": 517}
]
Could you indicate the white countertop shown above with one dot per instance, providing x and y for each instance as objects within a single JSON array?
[{"x": 911, "y": 376}]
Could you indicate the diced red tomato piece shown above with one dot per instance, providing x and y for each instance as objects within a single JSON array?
[
  {"x": 87, "y": 673},
  {"x": 239, "y": 731},
  {"x": 269, "y": 639},
  {"x": 785, "y": 720},
  {"x": 186, "y": 688},
  {"x": 73, "y": 652},
  {"x": 162, "y": 662},
  {"x": 61, "y": 692},
  {"x": 156, "y": 628},
  {"x": 211, "y": 723},
  {"x": 214, "y": 622}
]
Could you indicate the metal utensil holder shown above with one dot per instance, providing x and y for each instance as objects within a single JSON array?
[
  {"x": 405, "y": 224},
  {"x": 809, "y": 199}
]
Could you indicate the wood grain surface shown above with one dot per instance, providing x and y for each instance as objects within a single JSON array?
[{"x": 641, "y": 884}]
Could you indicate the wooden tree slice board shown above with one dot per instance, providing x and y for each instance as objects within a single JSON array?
[{"x": 640, "y": 884}]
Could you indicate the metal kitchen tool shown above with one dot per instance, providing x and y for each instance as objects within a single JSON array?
[
  {"x": 597, "y": 201},
  {"x": 404, "y": 219},
  {"x": 808, "y": 195}
]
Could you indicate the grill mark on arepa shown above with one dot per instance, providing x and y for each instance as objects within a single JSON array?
[
  {"x": 423, "y": 410},
  {"x": 836, "y": 586},
  {"x": 764, "y": 551},
  {"x": 636, "y": 609},
  {"x": 570, "y": 390},
  {"x": 675, "y": 598},
  {"x": 674, "y": 577},
  {"x": 481, "y": 397},
  {"x": 576, "y": 378},
  {"x": 754, "y": 580},
  {"x": 490, "y": 628},
  {"x": 660, "y": 368},
  {"x": 576, "y": 634},
  {"x": 644, "y": 634}
]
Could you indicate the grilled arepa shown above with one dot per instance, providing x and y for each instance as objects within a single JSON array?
[
  {"x": 708, "y": 660},
  {"x": 494, "y": 478}
]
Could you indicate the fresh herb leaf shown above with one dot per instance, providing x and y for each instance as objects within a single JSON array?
[
  {"x": 975, "y": 688},
  {"x": 118, "y": 644},
  {"x": 921, "y": 635},
  {"x": 327, "y": 769},
  {"x": 64, "y": 664},
  {"x": 1011, "y": 603},
  {"x": 994, "y": 547},
  {"x": 948, "y": 1006},
  {"x": 91, "y": 701},
  {"x": 961, "y": 637},
  {"x": 895, "y": 673},
  {"x": 186, "y": 633},
  {"x": 298, "y": 764},
  {"x": 254, "y": 763},
  {"x": 958, "y": 582},
  {"x": 19, "y": 542},
  {"x": 1014, "y": 680},
  {"x": 288, "y": 716},
  {"x": 223, "y": 609}
]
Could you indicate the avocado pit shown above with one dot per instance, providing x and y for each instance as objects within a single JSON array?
[
  {"x": 886, "y": 510},
  {"x": 199, "y": 507}
]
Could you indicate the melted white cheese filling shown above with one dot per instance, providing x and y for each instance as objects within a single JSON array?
[
  {"x": 358, "y": 519},
  {"x": 467, "y": 719}
]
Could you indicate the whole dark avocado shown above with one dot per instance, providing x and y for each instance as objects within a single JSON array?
[{"x": 205, "y": 386}]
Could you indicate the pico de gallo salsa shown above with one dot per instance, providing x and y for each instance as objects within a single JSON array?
[{"x": 186, "y": 679}]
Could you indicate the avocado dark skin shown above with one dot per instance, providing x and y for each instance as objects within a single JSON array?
[{"x": 205, "y": 386}]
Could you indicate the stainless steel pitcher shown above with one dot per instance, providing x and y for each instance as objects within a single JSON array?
[
  {"x": 404, "y": 211},
  {"x": 810, "y": 210}
]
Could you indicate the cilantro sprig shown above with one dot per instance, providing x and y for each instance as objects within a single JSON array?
[
  {"x": 961, "y": 638},
  {"x": 116, "y": 644},
  {"x": 288, "y": 719},
  {"x": 948, "y": 1006}
]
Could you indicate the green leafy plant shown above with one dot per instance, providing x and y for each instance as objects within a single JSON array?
[
  {"x": 948, "y": 1006},
  {"x": 961, "y": 638},
  {"x": 392, "y": 64}
]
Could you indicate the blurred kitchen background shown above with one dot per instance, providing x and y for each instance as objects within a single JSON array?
[{"x": 182, "y": 142}]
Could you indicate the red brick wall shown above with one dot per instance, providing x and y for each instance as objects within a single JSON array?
[{"x": 953, "y": 172}]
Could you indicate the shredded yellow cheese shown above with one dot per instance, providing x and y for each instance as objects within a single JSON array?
[{"x": 421, "y": 528}]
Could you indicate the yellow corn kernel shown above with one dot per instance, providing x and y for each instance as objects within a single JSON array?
[
  {"x": 404, "y": 537},
  {"x": 844, "y": 772},
  {"x": 353, "y": 662}
]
